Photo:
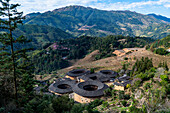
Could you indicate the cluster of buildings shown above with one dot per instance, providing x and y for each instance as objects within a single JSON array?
[
  {"x": 84, "y": 87},
  {"x": 127, "y": 50},
  {"x": 58, "y": 46}
]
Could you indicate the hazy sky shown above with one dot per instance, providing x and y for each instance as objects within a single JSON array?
[{"x": 161, "y": 7}]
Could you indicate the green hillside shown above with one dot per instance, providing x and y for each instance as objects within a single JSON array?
[
  {"x": 160, "y": 46},
  {"x": 41, "y": 35},
  {"x": 161, "y": 43},
  {"x": 79, "y": 20},
  {"x": 53, "y": 57}
]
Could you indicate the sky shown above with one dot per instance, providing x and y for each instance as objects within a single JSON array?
[{"x": 159, "y": 7}]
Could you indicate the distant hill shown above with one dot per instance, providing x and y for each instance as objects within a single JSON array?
[
  {"x": 31, "y": 16},
  {"x": 41, "y": 36},
  {"x": 160, "y": 17},
  {"x": 79, "y": 20}
]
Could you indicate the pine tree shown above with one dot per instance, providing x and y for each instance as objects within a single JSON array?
[
  {"x": 14, "y": 59},
  {"x": 160, "y": 64},
  {"x": 166, "y": 66}
]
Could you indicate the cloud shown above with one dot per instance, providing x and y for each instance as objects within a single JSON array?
[
  {"x": 127, "y": 6},
  {"x": 167, "y": 5},
  {"x": 29, "y": 6},
  {"x": 45, "y": 5}
]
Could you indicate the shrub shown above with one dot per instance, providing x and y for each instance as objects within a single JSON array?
[
  {"x": 125, "y": 58},
  {"x": 124, "y": 103},
  {"x": 95, "y": 103},
  {"x": 127, "y": 96},
  {"x": 161, "y": 51},
  {"x": 164, "y": 77},
  {"x": 128, "y": 86},
  {"x": 152, "y": 70},
  {"x": 77, "y": 108},
  {"x": 142, "y": 76},
  {"x": 121, "y": 94},
  {"x": 135, "y": 80},
  {"x": 108, "y": 92},
  {"x": 134, "y": 58},
  {"x": 92, "y": 70},
  {"x": 133, "y": 109},
  {"x": 137, "y": 83},
  {"x": 113, "y": 93},
  {"x": 53, "y": 75},
  {"x": 105, "y": 104},
  {"x": 147, "y": 86},
  {"x": 150, "y": 75}
]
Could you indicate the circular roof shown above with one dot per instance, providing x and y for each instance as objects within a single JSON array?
[
  {"x": 108, "y": 73},
  {"x": 62, "y": 87},
  {"x": 78, "y": 72},
  {"x": 97, "y": 76},
  {"x": 82, "y": 91}
]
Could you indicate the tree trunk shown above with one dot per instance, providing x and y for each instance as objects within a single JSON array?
[{"x": 13, "y": 56}]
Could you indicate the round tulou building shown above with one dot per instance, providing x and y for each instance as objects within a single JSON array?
[
  {"x": 74, "y": 74},
  {"x": 62, "y": 87},
  {"x": 88, "y": 91},
  {"x": 83, "y": 86},
  {"x": 108, "y": 73}
]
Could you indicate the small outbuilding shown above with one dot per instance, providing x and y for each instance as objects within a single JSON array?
[
  {"x": 119, "y": 52},
  {"x": 121, "y": 82},
  {"x": 121, "y": 86}
]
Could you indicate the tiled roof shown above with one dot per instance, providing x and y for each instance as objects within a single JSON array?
[
  {"x": 124, "y": 78},
  {"x": 96, "y": 76},
  {"x": 78, "y": 72},
  {"x": 124, "y": 83},
  {"x": 122, "y": 51},
  {"x": 108, "y": 73},
  {"x": 54, "y": 87},
  {"x": 79, "y": 89}
]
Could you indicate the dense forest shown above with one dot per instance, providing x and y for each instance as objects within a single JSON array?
[
  {"x": 56, "y": 56},
  {"x": 39, "y": 35}
]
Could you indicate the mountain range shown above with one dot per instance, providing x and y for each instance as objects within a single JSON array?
[
  {"x": 160, "y": 17},
  {"x": 40, "y": 35},
  {"x": 79, "y": 20}
]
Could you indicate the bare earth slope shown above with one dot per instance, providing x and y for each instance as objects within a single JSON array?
[{"x": 115, "y": 63}]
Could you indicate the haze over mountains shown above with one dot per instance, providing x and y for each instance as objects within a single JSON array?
[
  {"x": 79, "y": 20},
  {"x": 160, "y": 17}
]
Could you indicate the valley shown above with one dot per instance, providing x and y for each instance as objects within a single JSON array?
[
  {"x": 111, "y": 63},
  {"x": 81, "y": 59}
]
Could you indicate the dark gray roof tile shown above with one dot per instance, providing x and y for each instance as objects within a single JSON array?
[
  {"x": 78, "y": 72},
  {"x": 79, "y": 89}
]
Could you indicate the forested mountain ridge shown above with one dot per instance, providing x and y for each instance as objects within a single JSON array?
[
  {"x": 160, "y": 17},
  {"x": 79, "y": 20},
  {"x": 31, "y": 16},
  {"x": 41, "y": 36}
]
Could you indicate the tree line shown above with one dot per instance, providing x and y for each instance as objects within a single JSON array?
[{"x": 49, "y": 60}]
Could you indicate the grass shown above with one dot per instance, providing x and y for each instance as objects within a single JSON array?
[{"x": 120, "y": 108}]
